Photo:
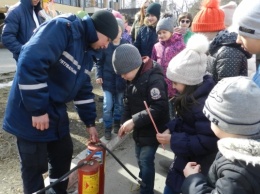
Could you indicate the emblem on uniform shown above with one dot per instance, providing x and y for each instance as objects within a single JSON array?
[{"x": 155, "y": 93}]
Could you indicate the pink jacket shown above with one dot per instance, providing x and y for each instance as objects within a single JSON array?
[{"x": 163, "y": 52}]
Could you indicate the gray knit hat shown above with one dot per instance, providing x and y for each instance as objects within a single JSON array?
[
  {"x": 126, "y": 58},
  {"x": 233, "y": 105},
  {"x": 166, "y": 23},
  {"x": 120, "y": 24},
  {"x": 246, "y": 17},
  {"x": 189, "y": 66}
]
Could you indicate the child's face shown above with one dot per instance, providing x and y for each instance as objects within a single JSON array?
[
  {"x": 220, "y": 133},
  {"x": 178, "y": 86},
  {"x": 151, "y": 19},
  {"x": 119, "y": 34},
  {"x": 249, "y": 44},
  {"x": 130, "y": 75},
  {"x": 164, "y": 35}
]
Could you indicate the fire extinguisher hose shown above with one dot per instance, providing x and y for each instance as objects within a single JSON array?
[
  {"x": 65, "y": 175},
  {"x": 127, "y": 170}
]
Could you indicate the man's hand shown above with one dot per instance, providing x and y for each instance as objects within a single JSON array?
[
  {"x": 41, "y": 122},
  {"x": 126, "y": 127},
  {"x": 164, "y": 138},
  {"x": 93, "y": 135},
  {"x": 191, "y": 168}
]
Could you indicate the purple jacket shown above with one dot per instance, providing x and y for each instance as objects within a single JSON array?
[{"x": 164, "y": 51}]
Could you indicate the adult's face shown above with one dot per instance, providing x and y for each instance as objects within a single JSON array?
[
  {"x": 35, "y": 2},
  {"x": 102, "y": 42}
]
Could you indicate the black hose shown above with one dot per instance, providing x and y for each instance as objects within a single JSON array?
[{"x": 110, "y": 152}]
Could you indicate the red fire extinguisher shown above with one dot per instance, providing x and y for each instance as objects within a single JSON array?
[
  {"x": 91, "y": 175},
  {"x": 100, "y": 156},
  {"x": 88, "y": 177}
]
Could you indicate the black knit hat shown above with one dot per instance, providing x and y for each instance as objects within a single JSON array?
[
  {"x": 105, "y": 23},
  {"x": 154, "y": 9}
]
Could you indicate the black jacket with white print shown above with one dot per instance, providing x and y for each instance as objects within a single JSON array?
[{"x": 148, "y": 85}]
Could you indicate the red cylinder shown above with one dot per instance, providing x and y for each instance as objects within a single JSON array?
[
  {"x": 88, "y": 177},
  {"x": 100, "y": 156}
]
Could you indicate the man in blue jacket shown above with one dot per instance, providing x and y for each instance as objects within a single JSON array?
[
  {"x": 52, "y": 70},
  {"x": 22, "y": 19}
]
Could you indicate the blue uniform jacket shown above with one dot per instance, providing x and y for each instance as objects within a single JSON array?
[
  {"x": 19, "y": 26},
  {"x": 52, "y": 70}
]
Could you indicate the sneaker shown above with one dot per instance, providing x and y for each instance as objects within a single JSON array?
[
  {"x": 165, "y": 164},
  {"x": 108, "y": 134}
]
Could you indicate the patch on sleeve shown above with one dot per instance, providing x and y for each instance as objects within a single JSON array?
[{"x": 155, "y": 93}]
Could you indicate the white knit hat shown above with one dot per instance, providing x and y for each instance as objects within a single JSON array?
[
  {"x": 189, "y": 66},
  {"x": 229, "y": 10}
]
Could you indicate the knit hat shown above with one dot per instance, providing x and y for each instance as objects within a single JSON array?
[
  {"x": 120, "y": 24},
  {"x": 247, "y": 17},
  {"x": 105, "y": 23},
  {"x": 229, "y": 10},
  {"x": 189, "y": 66},
  {"x": 233, "y": 105},
  {"x": 126, "y": 58},
  {"x": 165, "y": 24},
  {"x": 117, "y": 14},
  {"x": 154, "y": 9},
  {"x": 210, "y": 18}
]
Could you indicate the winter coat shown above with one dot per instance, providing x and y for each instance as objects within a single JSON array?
[
  {"x": 227, "y": 58},
  {"x": 51, "y": 74},
  {"x": 164, "y": 51},
  {"x": 19, "y": 26},
  {"x": 192, "y": 138},
  {"x": 111, "y": 81},
  {"x": 236, "y": 170},
  {"x": 145, "y": 40},
  {"x": 148, "y": 85}
]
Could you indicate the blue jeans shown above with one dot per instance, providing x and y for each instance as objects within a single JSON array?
[
  {"x": 145, "y": 157},
  {"x": 168, "y": 190},
  {"x": 112, "y": 108}
]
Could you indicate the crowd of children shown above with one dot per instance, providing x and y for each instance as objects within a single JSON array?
[{"x": 192, "y": 73}]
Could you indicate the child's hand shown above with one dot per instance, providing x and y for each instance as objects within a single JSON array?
[
  {"x": 126, "y": 128},
  {"x": 99, "y": 81},
  {"x": 191, "y": 168},
  {"x": 163, "y": 138}
]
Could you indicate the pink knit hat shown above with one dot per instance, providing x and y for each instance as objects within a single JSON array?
[{"x": 229, "y": 10}]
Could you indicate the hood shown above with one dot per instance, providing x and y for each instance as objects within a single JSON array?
[
  {"x": 28, "y": 5},
  {"x": 225, "y": 38},
  {"x": 204, "y": 88},
  {"x": 247, "y": 150}
]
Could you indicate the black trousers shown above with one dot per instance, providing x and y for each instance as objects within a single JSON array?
[{"x": 37, "y": 158}]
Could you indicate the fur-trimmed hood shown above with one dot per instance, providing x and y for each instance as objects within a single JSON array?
[{"x": 246, "y": 150}]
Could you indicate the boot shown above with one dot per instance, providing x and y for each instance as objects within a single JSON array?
[
  {"x": 108, "y": 134},
  {"x": 116, "y": 126}
]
